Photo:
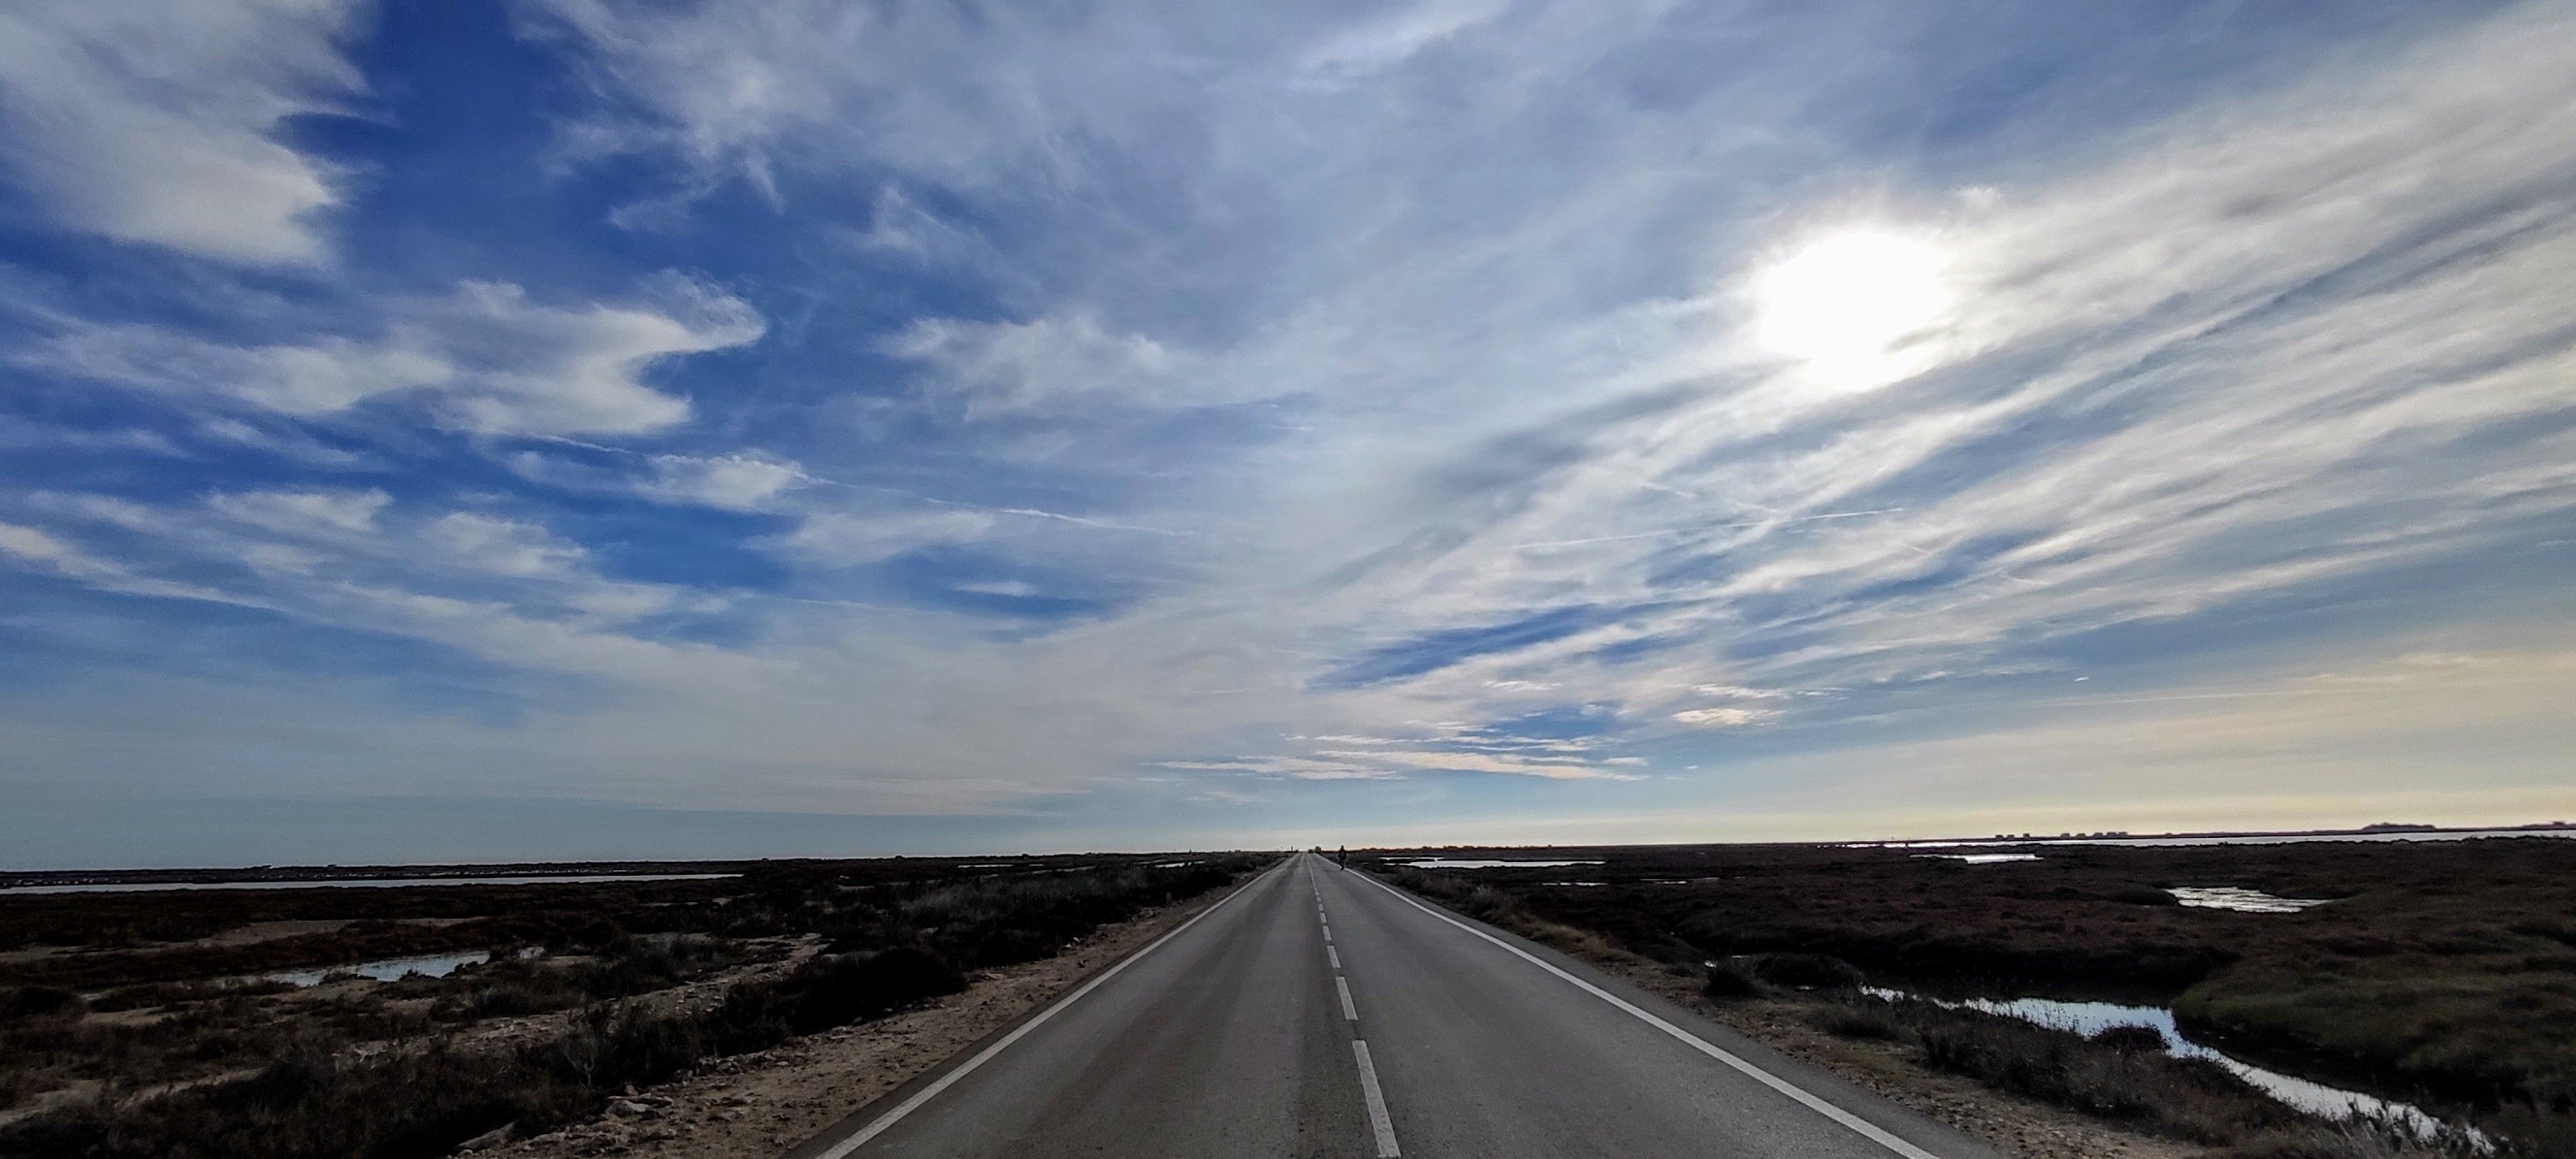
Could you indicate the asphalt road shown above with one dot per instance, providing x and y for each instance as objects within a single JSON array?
[{"x": 1317, "y": 1012}]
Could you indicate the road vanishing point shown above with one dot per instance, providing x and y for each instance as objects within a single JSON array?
[{"x": 1319, "y": 1012}]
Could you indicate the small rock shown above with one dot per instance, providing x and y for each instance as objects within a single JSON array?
[{"x": 492, "y": 1138}]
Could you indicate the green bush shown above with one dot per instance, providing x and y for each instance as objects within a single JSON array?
[
  {"x": 1727, "y": 979},
  {"x": 1868, "y": 1020},
  {"x": 1807, "y": 971},
  {"x": 27, "y": 1003}
]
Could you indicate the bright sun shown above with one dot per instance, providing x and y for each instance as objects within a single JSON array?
[{"x": 1845, "y": 303}]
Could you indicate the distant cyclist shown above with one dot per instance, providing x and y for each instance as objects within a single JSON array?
[{"x": 1344, "y": 856}]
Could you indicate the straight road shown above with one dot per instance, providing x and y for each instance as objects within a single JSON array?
[{"x": 1318, "y": 1012}]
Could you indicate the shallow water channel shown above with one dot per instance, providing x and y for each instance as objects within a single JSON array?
[
  {"x": 388, "y": 969},
  {"x": 2091, "y": 1018}
]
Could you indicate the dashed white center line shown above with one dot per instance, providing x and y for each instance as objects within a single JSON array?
[
  {"x": 1378, "y": 1119},
  {"x": 1381, "y": 1124}
]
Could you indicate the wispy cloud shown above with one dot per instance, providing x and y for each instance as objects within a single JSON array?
[
  {"x": 1636, "y": 409},
  {"x": 162, "y": 123},
  {"x": 490, "y": 359}
]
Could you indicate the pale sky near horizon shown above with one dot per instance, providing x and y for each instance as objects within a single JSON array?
[{"x": 556, "y": 428}]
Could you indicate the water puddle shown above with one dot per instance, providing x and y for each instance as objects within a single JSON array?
[
  {"x": 1474, "y": 863},
  {"x": 389, "y": 969},
  {"x": 2091, "y": 1018},
  {"x": 2252, "y": 901},
  {"x": 1982, "y": 858}
]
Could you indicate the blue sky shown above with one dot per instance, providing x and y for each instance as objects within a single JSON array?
[{"x": 561, "y": 428}]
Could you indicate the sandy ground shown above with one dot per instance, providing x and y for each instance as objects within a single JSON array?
[{"x": 764, "y": 1103}]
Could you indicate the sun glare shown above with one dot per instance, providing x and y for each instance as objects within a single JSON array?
[{"x": 1844, "y": 304}]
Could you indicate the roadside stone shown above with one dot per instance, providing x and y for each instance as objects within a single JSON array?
[{"x": 492, "y": 1138}]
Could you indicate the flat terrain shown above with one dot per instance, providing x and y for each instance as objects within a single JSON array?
[
  {"x": 2442, "y": 973},
  {"x": 1645, "y": 1001},
  {"x": 186, "y": 1023}
]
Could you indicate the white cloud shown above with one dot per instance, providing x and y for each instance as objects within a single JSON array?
[
  {"x": 502, "y": 546},
  {"x": 549, "y": 370},
  {"x": 488, "y": 359},
  {"x": 1389, "y": 40},
  {"x": 304, "y": 512},
  {"x": 987, "y": 367},
  {"x": 1010, "y": 589},
  {"x": 160, "y": 122},
  {"x": 1731, "y": 717},
  {"x": 840, "y": 539},
  {"x": 42, "y": 550},
  {"x": 1476, "y": 762},
  {"x": 37, "y": 546},
  {"x": 739, "y": 482}
]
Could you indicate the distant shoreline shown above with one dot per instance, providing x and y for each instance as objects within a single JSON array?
[
  {"x": 36, "y": 882},
  {"x": 2378, "y": 832}
]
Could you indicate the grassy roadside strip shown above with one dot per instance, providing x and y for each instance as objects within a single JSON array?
[
  {"x": 425, "y": 1099},
  {"x": 2121, "y": 1080}
]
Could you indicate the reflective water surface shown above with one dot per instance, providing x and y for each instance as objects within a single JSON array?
[
  {"x": 2252, "y": 901},
  {"x": 2091, "y": 1018},
  {"x": 1474, "y": 863},
  {"x": 389, "y": 969}
]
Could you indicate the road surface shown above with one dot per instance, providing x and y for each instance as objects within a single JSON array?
[{"x": 1318, "y": 1012}]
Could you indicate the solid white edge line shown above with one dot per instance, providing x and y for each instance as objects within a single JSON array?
[
  {"x": 1379, "y": 1121},
  {"x": 1858, "y": 1125},
  {"x": 881, "y": 1123},
  {"x": 1348, "y": 1011}
]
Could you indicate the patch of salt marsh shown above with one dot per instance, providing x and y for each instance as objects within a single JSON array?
[
  {"x": 2252, "y": 901},
  {"x": 1981, "y": 858},
  {"x": 1476, "y": 863}
]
